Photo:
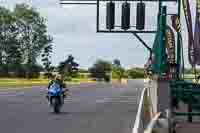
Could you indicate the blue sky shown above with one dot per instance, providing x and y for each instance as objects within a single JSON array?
[{"x": 74, "y": 32}]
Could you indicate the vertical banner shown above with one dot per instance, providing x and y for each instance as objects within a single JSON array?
[
  {"x": 176, "y": 23},
  {"x": 197, "y": 33},
  {"x": 170, "y": 44},
  {"x": 187, "y": 12}
]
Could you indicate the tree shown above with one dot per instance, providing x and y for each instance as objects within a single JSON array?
[
  {"x": 100, "y": 70},
  {"x": 9, "y": 46},
  {"x": 68, "y": 68},
  {"x": 117, "y": 63},
  {"x": 136, "y": 73},
  {"x": 23, "y": 37},
  {"x": 81, "y": 70},
  {"x": 32, "y": 35},
  {"x": 118, "y": 72},
  {"x": 46, "y": 59}
]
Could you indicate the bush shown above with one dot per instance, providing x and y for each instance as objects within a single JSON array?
[
  {"x": 48, "y": 75},
  {"x": 107, "y": 78},
  {"x": 136, "y": 73},
  {"x": 14, "y": 71},
  {"x": 68, "y": 79},
  {"x": 125, "y": 75},
  {"x": 3, "y": 71},
  {"x": 20, "y": 70},
  {"x": 33, "y": 71},
  {"x": 100, "y": 69},
  {"x": 83, "y": 75}
]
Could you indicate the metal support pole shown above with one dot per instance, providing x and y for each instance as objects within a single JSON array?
[
  {"x": 97, "y": 17},
  {"x": 159, "y": 46},
  {"x": 140, "y": 39},
  {"x": 159, "y": 11},
  {"x": 162, "y": 39},
  {"x": 178, "y": 43}
]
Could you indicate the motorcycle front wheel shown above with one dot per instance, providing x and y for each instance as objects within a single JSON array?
[{"x": 56, "y": 105}]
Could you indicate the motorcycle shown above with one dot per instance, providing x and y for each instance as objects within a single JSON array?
[{"x": 55, "y": 97}]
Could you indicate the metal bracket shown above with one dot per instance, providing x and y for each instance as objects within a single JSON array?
[{"x": 142, "y": 41}]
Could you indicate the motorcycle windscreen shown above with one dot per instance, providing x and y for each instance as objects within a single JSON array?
[{"x": 54, "y": 89}]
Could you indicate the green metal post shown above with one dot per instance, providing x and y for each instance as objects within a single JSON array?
[
  {"x": 179, "y": 43},
  {"x": 160, "y": 6},
  {"x": 159, "y": 12},
  {"x": 159, "y": 47},
  {"x": 162, "y": 41}
]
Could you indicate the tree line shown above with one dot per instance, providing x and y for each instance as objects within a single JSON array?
[
  {"x": 105, "y": 70},
  {"x": 101, "y": 70}
]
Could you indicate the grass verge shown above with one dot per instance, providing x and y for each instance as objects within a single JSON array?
[{"x": 10, "y": 83}]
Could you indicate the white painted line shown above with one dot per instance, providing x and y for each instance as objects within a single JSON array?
[
  {"x": 137, "y": 128},
  {"x": 102, "y": 101},
  {"x": 119, "y": 98},
  {"x": 72, "y": 100},
  {"x": 131, "y": 102},
  {"x": 115, "y": 102}
]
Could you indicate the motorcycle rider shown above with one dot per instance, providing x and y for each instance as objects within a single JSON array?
[{"x": 58, "y": 80}]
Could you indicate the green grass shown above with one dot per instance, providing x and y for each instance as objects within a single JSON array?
[
  {"x": 18, "y": 83},
  {"x": 25, "y": 83}
]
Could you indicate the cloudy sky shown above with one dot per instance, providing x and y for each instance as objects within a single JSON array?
[{"x": 73, "y": 29}]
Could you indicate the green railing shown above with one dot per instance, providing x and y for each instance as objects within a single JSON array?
[
  {"x": 186, "y": 114},
  {"x": 188, "y": 93}
]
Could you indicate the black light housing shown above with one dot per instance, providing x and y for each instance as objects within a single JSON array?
[
  {"x": 140, "y": 21},
  {"x": 125, "y": 19},
  {"x": 110, "y": 15}
]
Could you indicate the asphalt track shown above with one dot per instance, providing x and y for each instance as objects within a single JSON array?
[{"x": 91, "y": 108}]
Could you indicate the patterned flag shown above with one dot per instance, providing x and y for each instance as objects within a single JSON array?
[
  {"x": 197, "y": 33},
  {"x": 176, "y": 23},
  {"x": 171, "y": 45},
  {"x": 187, "y": 12}
]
